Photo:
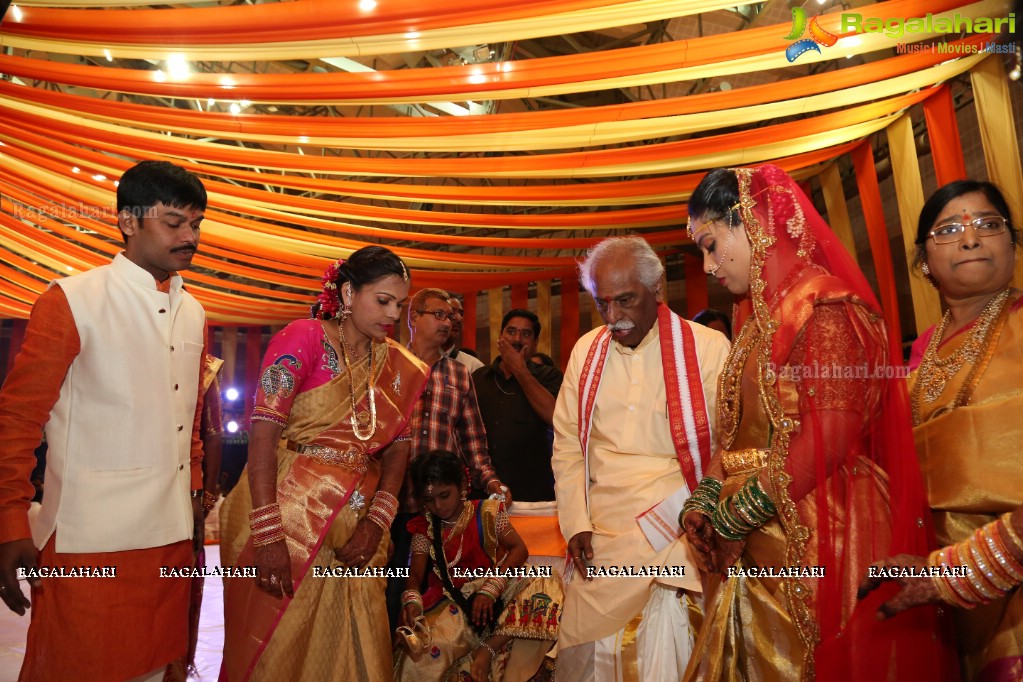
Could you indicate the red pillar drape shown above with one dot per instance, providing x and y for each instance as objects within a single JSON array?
[
  {"x": 253, "y": 358},
  {"x": 17, "y": 336},
  {"x": 943, "y": 133},
  {"x": 569, "y": 317},
  {"x": 520, "y": 296},
  {"x": 880, "y": 248},
  {"x": 696, "y": 285},
  {"x": 469, "y": 321}
]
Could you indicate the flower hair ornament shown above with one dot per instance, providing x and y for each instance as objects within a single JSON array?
[{"x": 328, "y": 303}]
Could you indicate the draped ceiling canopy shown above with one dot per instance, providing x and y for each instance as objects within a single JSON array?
[{"x": 486, "y": 143}]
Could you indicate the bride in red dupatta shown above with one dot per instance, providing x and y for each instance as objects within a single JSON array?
[{"x": 815, "y": 477}]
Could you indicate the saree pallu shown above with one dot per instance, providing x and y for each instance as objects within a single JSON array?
[
  {"x": 749, "y": 632},
  {"x": 808, "y": 624},
  {"x": 970, "y": 460},
  {"x": 333, "y": 628}
]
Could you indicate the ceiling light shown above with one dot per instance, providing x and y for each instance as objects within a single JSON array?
[
  {"x": 235, "y": 108},
  {"x": 210, "y": 102},
  {"x": 367, "y": 5},
  {"x": 76, "y": 169},
  {"x": 16, "y": 13},
  {"x": 226, "y": 82},
  {"x": 177, "y": 67},
  {"x": 99, "y": 177},
  {"x": 159, "y": 76},
  {"x": 110, "y": 57}
]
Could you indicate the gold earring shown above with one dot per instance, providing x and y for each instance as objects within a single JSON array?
[{"x": 924, "y": 269}]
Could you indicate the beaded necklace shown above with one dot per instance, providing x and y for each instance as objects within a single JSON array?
[{"x": 934, "y": 372}]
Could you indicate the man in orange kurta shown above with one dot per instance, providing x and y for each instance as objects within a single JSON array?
[{"x": 111, "y": 368}]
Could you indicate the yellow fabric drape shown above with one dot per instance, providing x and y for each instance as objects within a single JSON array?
[
  {"x": 539, "y": 23},
  {"x": 838, "y": 211},
  {"x": 910, "y": 194},
  {"x": 542, "y": 138},
  {"x": 998, "y": 136}
]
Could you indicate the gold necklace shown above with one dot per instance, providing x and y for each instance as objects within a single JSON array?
[
  {"x": 935, "y": 372},
  {"x": 730, "y": 387},
  {"x": 354, "y": 420}
]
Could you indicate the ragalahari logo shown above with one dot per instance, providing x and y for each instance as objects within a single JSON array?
[{"x": 818, "y": 36}]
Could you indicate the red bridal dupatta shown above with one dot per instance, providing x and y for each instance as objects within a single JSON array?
[
  {"x": 839, "y": 453},
  {"x": 335, "y": 470}
]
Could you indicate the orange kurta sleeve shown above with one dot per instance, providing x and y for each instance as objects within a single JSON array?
[{"x": 30, "y": 392}]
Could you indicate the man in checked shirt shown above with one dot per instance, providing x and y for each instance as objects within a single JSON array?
[{"x": 447, "y": 417}]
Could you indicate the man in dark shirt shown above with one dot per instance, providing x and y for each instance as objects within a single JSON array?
[{"x": 516, "y": 399}]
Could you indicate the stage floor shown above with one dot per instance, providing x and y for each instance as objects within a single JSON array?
[{"x": 211, "y": 631}]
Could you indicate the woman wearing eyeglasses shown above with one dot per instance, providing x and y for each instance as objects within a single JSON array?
[{"x": 966, "y": 394}]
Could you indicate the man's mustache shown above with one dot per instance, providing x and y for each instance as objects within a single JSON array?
[
  {"x": 621, "y": 325},
  {"x": 190, "y": 249}
]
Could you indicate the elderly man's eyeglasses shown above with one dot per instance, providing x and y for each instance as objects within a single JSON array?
[
  {"x": 949, "y": 233},
  {"x": 440, "y": 314}
]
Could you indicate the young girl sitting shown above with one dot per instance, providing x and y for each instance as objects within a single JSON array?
[{"x": 467, "y": 625}]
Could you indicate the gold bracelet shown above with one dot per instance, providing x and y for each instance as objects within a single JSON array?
[{"x": 1006, "y": 520}]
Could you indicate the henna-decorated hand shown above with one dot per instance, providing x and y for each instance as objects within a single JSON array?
[
  {"x": 726, "y": 553},
  {"x": 361, "y": 546},
  {"x": 700, "y": 535},
  {"x": 273, "y": 569},
  {"x": 912, "y": 591}
]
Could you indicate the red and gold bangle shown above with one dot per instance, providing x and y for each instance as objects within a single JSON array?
[
  {"x": 992, "y": 571},
  {"x": 1005, "y": 558},
  {"x": 1006, "y": 520},
  {"x": 963, "y": 584},
  {"x": 942, "y": 583},
  {"x": 383, "y": 509}
]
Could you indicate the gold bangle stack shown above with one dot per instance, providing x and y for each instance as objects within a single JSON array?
[
  {"x": 266, "y": 524},
  {"x": 383, "y": 509},
  {"x": 493, "y": 587},
  {"x": 991, "y": 569}
]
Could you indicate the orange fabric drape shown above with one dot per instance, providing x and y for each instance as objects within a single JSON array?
[
  {"x": 696, "y": 285},
  {"x": 943, "y": 134},
  {"x": 303, "y": 20},
  {"x": 877, "y": 232},
  {"x": 226, "y": 125},
  {"x": 253, "y": 359},
  {"x": 469, "y": 321},
  {"x": 520, "y": 296},
  {"x": 553, "y": 165},
  {"x": 569, "y": 317}
]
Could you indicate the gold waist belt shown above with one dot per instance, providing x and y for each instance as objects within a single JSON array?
[
  {"x": 743, "y": 461},
  {"x": 352, "y": 460}
]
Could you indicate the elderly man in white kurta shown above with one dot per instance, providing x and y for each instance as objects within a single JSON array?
[{"x": 632, "y": 435}]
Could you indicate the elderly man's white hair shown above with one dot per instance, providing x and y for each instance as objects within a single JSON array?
[{"x": 649, "y": 269}]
